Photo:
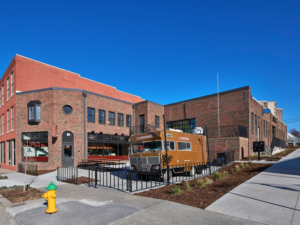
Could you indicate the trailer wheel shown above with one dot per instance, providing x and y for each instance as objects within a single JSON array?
[
  {"x": 164, "y": 176},
  {"x": 192, "y": 171}
]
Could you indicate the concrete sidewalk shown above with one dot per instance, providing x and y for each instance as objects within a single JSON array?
[
  {"x": 15, "y": 178},
  {"x": 271, "y": 197},
  {"x": 86, "y": 205}
]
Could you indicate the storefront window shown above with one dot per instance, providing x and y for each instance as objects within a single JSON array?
[
  {"x": 35, "y": 147},
  {"x": 95, "y": 149},
  {"x": 110, "y": 149}
]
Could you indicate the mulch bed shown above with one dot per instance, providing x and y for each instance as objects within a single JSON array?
[
  {"x": 15, "y": 194},
  {"x": 81, "y": 180},
  {"x": 202, "y": 197},
  {"x": 286, "y": 152},
  {"x": 272, "y": 158}
]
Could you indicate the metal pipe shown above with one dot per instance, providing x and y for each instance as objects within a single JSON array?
[{"x": 84, "y": 117}]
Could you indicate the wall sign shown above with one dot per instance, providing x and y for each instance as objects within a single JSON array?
[
  {"x": 169, "y": 135},
  {"x": 184, "y": 138},
  {"x": 144, "y": 137}
]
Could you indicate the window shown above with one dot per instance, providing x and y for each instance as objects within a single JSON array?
[
  {"x": 35, "y": 146},
  {"x": 3, "y": 94},
  {"x": 186, "y": 126},
  {"x": 120, "y": 119},
  {"x": 7, "y": 116},
  {"x": 170, "y": 145},
  {"x": 2, "y": 123},
  {"x": 0, "y": 127},
  {"x": 252, "y": 126},
  {"x": 12, "y": 118},
  {"x": 184, "y": 146},
  {"x": 34, "y": 111},
  {"x": 111, "y": 118},
  {"x": 67, "y": 109},
  {"x": 128, "y": 121},
  {"x": 91, "y": 115},
  {"x": 2, "y": 152},
  {"x": 7, "y": 89},
  {"x": 11, "y": 152},
  {"x": 157, "y": 121},
  {"x": 102, "y": 116},
  {"x": 255, "y": 127},
  {"x": 12, "y": 84}
]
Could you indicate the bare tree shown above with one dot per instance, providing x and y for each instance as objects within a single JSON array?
[
  {"x": 27, "y": 160},
  {"x": 294, "y": 132}
]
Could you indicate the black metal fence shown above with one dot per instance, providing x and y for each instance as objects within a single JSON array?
[
  {"x": 67, "y": 174},
  {"x": 121, "y": 177},
  {"x": 31, "y": 169},
  {"x": 143, "y": 129},
  {"x": 276, "y": 142}
]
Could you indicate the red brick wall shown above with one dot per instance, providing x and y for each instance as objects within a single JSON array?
[
  {"x": 52, "y": 102},
  {"x": 7, "y": 106},
  {"x": 233, "y": 110},
  {"x": 42, "y": 76}
]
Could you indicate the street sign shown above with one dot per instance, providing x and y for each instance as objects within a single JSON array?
[
  {"x": 258, "y": 146},
  {"x": 267, "y": 111}
]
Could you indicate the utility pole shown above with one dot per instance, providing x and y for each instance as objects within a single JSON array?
[{"x": 84, "y": 124}]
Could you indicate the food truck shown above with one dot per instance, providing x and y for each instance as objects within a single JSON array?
[{"x": 187, "y": 153}]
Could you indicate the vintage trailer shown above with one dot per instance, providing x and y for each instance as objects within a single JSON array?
[{"x": 186, "y": 151}]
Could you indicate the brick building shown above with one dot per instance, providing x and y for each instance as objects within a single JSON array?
[{"x": 53, "y": 117}]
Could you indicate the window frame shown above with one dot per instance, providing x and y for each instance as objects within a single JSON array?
[
  {"x": 90, "y": 115},
  {"x": 2, "y": 95},
  {"x": 114, "y": 118},
  {"x": 11, "y": 84},
  {"x": 163, "y": 145},
  {"x": 101, "y": 110},
  {"x": 36, "y": 105},
  {"x": 120, "y": 121},
  {"x": 12, "y": 118},
  {"x": 7, "y": 89},
  {"x": 7, "y": 121},
  {"x": 128, "y": 116},
  {"x": 156, "y": 121},
  {"x": 3, "y": 124},
  {"x": 184, "y": 142}
]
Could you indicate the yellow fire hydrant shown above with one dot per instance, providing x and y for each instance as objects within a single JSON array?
[{"x": 50, "y": 196}]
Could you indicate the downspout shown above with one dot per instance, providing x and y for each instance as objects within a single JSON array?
[
  {"x": 84, "y": 118},
  {"x": 133, "y": 130}
]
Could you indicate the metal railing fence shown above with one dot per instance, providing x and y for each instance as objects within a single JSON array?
[{"x": 67, "y": 174}]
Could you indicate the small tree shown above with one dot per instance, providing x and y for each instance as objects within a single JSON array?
[{"x": 27, "y": 159}]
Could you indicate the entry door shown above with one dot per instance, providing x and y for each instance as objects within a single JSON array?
[
  {"x": 67, "y": 149},
  {"x": 68, "y": 155}
]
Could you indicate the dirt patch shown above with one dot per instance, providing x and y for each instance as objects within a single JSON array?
[
  {"x": 203, "y": 196},
  {"x": 81, "y": 180},
  {"x": 15, "y": 194}
]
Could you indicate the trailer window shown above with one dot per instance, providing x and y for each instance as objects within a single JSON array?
[
  {"x": 170, "y": 145},
  {"x": 184, "y": 146},
  {"x": 147, "y": 146}
]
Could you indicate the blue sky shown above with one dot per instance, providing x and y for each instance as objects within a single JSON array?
[{"x": 164, "y": 51}]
